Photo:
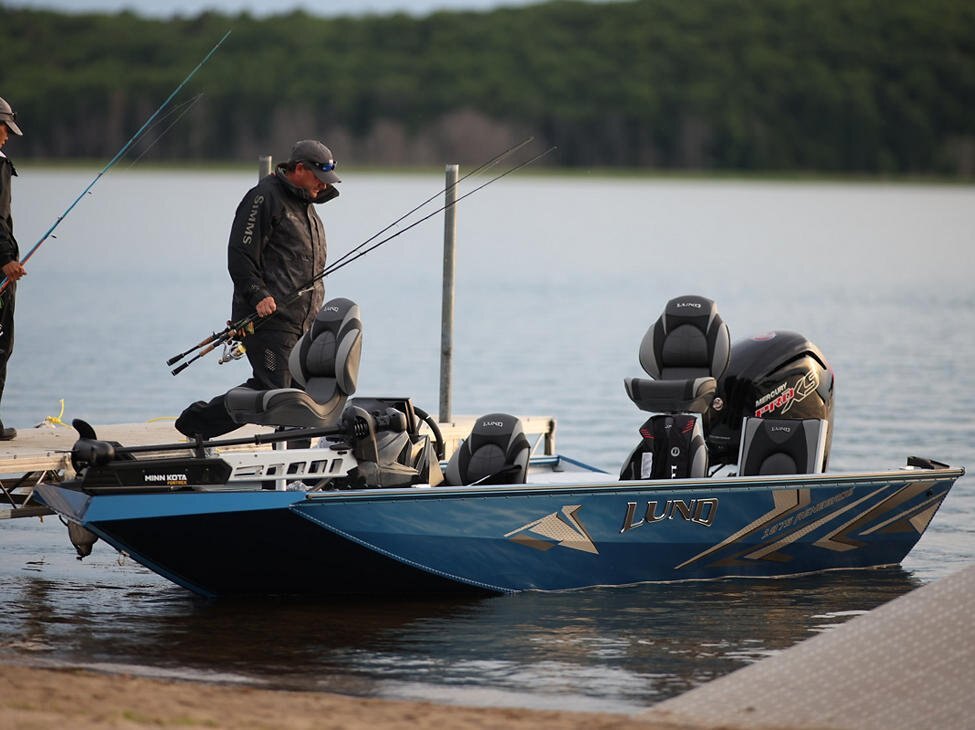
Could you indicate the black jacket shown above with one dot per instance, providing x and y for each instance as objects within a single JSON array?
[
  {"x": 8, "y": 244},
  {"x": 277, "y": 245}
]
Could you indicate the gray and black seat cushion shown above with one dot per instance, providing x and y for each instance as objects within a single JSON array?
[
  {"x": 685, "y": 352},
  {"x": 782, "y": 446},
  {"x": 324, "y": 362},
  {"x": 496, "y": 452}
]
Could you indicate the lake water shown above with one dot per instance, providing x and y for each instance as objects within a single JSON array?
[{"x": 557, "y": 280}]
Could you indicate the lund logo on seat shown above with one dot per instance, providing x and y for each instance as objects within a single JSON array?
[
  {"x": 698, "y": 511},
  {"x": 565, "y": 531}
]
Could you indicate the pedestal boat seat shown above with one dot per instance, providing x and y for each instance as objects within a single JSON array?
[
  {"x": 685, "y": 352},
  {"x": 324, "y": 362}
]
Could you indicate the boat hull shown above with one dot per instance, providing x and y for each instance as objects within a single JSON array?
[{"x": 502, "y": 539}]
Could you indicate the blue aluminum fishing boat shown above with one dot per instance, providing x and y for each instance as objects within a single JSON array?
[
  {"x": 567, "y": 527},
  {"x": 728, "y": 480}
]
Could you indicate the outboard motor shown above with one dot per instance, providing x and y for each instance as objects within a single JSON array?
[{"x": 778, "y": 375}]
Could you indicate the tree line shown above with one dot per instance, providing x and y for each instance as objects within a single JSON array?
[{"x": 840, "y": 86}]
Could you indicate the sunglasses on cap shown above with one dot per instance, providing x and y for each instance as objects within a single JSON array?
[{"x": 323, "y": 166}]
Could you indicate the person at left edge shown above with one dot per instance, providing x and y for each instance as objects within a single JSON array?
[
  {"x": 9, "y": 253},
  {"x": 277, "y": 245}
]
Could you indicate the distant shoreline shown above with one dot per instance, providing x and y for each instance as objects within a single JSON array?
[{"x": 605, "y": 173}]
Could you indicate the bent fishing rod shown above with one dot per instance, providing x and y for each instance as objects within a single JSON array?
[
  {"x": 118, "y": 156},
  {"x": 250, "y": 322}
]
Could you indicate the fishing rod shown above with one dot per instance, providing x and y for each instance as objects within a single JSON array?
[
  {"x": 118, "y": 156},
  {"x": 213, "y": 338},
  {"x": 249, "y": 323},
  {"x": 89, "y": 450}
]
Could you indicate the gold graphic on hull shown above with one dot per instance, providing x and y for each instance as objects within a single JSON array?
[
  {"x": 558, "y": 531},
  {"x": 785, "y": 501},
  {"x": 780, "y": 527},
  {"x": 841, "y": 539}
]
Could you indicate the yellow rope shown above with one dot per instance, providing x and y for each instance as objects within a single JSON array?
[{"x": 54, "y": 421}]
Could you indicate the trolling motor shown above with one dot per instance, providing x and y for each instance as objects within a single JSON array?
[{"x": 381, "y": 433}]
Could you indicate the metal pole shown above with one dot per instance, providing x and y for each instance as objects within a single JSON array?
[
  {"x": 447, "y": 309},
  {"x": 264, "y": 166}
]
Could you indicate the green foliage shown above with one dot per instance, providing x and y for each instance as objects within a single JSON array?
[{"x": 830, "y": 85}]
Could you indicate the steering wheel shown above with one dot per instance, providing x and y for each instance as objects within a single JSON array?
[{"x": 439, "y": 444}]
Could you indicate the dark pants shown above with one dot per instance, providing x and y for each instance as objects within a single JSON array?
[
  {"x": 6, "y": 330},
  {"x": 267, "y": 352}
]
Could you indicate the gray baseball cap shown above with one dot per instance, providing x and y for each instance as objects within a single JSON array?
[
  {"x": 318, "y": 157},
  {"x": 9, "y": 117}
]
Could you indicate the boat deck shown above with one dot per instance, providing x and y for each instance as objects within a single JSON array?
[{"x": 45, "y": 451}]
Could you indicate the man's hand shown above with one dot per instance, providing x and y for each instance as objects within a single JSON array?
[
  {"x": 264, "y": 307},
  {"x": 14, "y": 270}
]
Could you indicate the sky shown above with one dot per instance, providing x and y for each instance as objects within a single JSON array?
[{"x": 260, "y": 8}]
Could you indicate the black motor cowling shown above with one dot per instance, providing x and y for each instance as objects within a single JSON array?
[{"x": 776, "y": 375}]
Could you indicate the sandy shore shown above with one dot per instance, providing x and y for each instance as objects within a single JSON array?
[{"x": 80, "y": 700}]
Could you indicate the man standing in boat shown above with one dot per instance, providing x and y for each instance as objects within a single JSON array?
[
  {"x": 9, "y": 253},
  {"x": 277, "y": 245}
]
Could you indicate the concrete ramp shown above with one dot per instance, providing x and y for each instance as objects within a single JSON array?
[{"x": 907, "y": 664}]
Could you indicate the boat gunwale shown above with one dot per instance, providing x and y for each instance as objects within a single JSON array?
[
  {"x": 748, "y": 483},
  {"x": 603, "y": 486}
]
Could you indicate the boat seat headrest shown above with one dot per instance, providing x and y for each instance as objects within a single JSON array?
[
  {"x": 782, "y": 446},
  {"x": 326, "y": 358},
  {"x": 689, "y": 340},
  {"x": 324, "y": 363},
  {"x": 496, "y": 452}
]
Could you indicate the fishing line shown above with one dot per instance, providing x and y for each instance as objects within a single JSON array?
[
  {"x": 340, "y": 263},
  {"x": 216, "y": 338},
  {"x": 251, "y": 322},
  {"x": 118, "y": 156},
  {"x": 185, "y": 106},
  {"x": 490, "y": 163}
]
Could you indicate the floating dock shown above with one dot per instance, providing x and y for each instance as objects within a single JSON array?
[
  {"x": 44, "y": 453},
  {"x": 907, "y": 664}
]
